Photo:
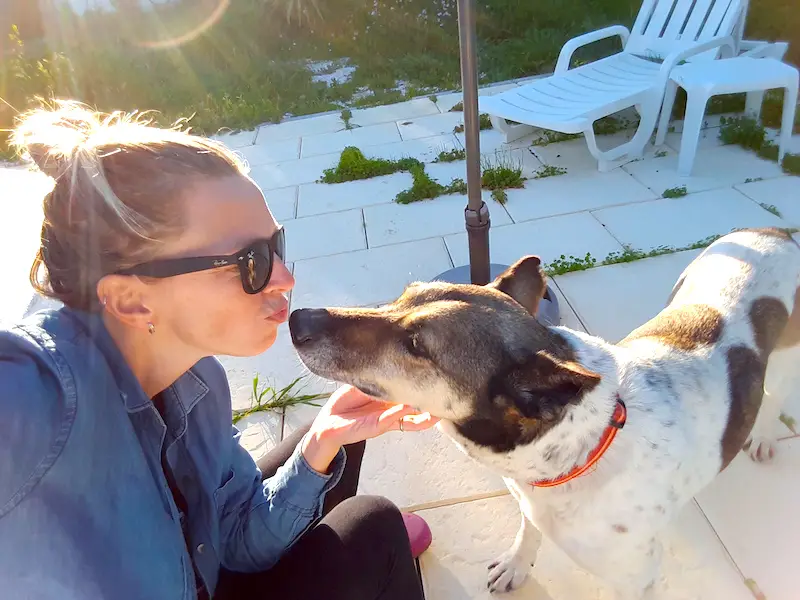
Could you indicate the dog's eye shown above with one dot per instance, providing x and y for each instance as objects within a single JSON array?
[{"x": 414, "y": 346}]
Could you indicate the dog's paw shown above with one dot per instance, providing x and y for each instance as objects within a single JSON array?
[
  {"x": 760, "y": 449},
  {"x": 508, "y": 573}
]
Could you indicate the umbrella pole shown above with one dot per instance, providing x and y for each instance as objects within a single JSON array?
[{"x": 476, "y": 213}]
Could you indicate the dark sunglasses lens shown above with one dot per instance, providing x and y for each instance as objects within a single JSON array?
[
  {"x": 256, "y": 268},
  {"x": 280, "y": 244}
]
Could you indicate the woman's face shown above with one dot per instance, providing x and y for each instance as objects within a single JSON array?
[{"x": 209, "y": 311}]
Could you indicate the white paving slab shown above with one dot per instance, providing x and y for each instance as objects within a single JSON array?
[
  {"x": 278, "y": 367},
  {"x": 613, "y": 300},
  {"x": 367, "y": 276},
  {"x": 282, "y": 202},
  {"x": 574, "y": 154},
  {"x": 299, "y": 127},
  {"x": 547, "y": 238},
  {"x": 569, "y": 318},
  {"x": 261, "y": 432},
  {"x": 293, "y": 172},
  {"x": 20, "y": 235},
  {"x": 682, "y": 221},
  {"x": 412, "y": 469},
  {"x": 360, "y": 137},
  {"x": 236, "y": 140},
  {"x": 271, "y": 152},
  {"x": 466, "y": 539},
  {"x": 447, "y": 101},
  {"x": 709, "y": 139},
  {"x": 410, "y": 109},
  {"x": 396, "y": 223},
  {"x": 426, "y": 149},
  {"x": 422, "y": 127},
  {"x": 695, "y": 566},
  {"x": 753, "y": 508},
  {"x": 320, "y": 198},
  {"x": 713, "y": 168},
  {"x": 782, "y": 192},
  {"x": 323, "y": 235},
  {"x": 570, "y": 193}
]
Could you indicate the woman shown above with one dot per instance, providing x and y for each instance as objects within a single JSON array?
[{"x": 120, "y": 473}]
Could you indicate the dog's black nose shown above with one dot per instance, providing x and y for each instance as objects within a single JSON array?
[{"x": 306, "y": 324}]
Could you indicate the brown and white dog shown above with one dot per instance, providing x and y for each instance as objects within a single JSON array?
[{"x": 692, "y": 385}]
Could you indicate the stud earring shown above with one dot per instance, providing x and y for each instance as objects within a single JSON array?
[{"x": 151, "y": 328}]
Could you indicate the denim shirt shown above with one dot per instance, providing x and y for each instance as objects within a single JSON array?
[{"x": 85, "y": 508}]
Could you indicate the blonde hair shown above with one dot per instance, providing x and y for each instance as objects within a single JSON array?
[{"x": 118, "y": 193}]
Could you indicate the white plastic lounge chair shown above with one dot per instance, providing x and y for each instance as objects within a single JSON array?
[{"x": 665, "y": 34}]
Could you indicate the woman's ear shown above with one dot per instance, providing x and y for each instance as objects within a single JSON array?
[{"x": 126, "y": 299}]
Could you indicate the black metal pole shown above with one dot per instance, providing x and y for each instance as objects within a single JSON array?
[{"x": 476, "y": 213}]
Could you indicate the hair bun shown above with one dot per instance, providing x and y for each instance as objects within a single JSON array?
[{"x": 52, "y": 137}]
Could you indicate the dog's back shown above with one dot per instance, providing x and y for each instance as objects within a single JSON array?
[{"x": 732, "y": 312}]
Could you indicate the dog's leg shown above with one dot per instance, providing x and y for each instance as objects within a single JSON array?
[
  {"x": 781, "y": 380},
  {"x": 512, "y": 568}
]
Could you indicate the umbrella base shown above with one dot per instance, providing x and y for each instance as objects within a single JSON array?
[{"x": 548, "y": 314}]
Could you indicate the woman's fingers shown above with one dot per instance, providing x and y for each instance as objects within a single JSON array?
[
  {"x": 395, "y": 413},
  {"x": 419, "y": 422}
]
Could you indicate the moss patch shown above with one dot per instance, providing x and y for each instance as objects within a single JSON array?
[{"x": 353, "y": 165}]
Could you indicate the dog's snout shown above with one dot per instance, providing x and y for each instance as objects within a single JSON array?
[{"x": 307, "y": 324}]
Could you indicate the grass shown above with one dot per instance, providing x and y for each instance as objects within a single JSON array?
[
  {"x": 346, "y": 116},
  {"x": 425, "y": 187},
  {"x": 549, "y": 171},
  {"x": 661, "y": 154},
  {"x": 771, "y": 208},
  {"x": 675, "y": 192},
  {"x": 249, "y": 67},
  {"x": 353, "y": 165},
  {"x": 790, "y": 422},
  {"x": 749, "y": 134},
  {"x": 451, "y": 155},
  {"x": 485, "y": 122},
  {"x": 267, "y": 398},
  {"x": 553, "y": 137},
  {"x": 569, "y": 264},
  {"x": 501, "y": 173}
]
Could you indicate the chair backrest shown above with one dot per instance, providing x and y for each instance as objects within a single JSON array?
[{"x": 665, "y": 26}]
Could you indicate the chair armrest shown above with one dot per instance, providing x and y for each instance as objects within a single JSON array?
[
  {"x": 675, "y": 58},
  {"x": 763, "y": 49},
  {"x": 565, "y": 56}
]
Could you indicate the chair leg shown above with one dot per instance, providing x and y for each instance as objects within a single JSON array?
[
  {"x": 666, "y": 112},
  {"x": 634, "y": 148},
  {"x": 787, "y": 122},
  {"x": 511, "y": 131},
  {"x": 693, "y": 123},
  {"x": 752, "y": 107}
]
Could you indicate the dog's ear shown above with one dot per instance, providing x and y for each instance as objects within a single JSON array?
[
  {"x": 524, "y": 281},
  {"x": 544, "y": 385}
]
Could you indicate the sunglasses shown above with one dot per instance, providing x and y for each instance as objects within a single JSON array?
[{"x": 255, "y": 263}]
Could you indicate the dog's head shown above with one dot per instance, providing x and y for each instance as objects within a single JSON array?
[{"x": 473, "y": 355}]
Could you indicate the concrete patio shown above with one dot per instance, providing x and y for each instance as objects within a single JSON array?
[{"x": 350, "y": 244}]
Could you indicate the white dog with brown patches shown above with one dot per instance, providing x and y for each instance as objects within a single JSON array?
[{"x": 601, "y": 444}]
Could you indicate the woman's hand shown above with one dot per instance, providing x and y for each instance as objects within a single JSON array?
[{"x": 351, "y": 416}]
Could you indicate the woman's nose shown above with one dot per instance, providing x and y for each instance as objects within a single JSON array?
[{"x": 281, "y": 280}]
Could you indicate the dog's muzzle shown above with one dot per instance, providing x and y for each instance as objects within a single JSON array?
[{"x": 308, "y": 325}]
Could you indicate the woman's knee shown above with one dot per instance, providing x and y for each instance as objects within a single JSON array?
[{"x": 377, "y": 517}]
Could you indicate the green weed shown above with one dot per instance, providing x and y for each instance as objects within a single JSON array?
[
  {"x": 353, "y": 165},
  {"x": 425, "y": 188},
  {"x": 268, "y": 398},
  {"x": 675, "y": 192}
]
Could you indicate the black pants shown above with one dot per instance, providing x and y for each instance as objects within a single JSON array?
[{"x": 359, "y": 550}]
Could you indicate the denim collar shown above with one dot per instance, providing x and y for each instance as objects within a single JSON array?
[{"x": 187, "y": 390}]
